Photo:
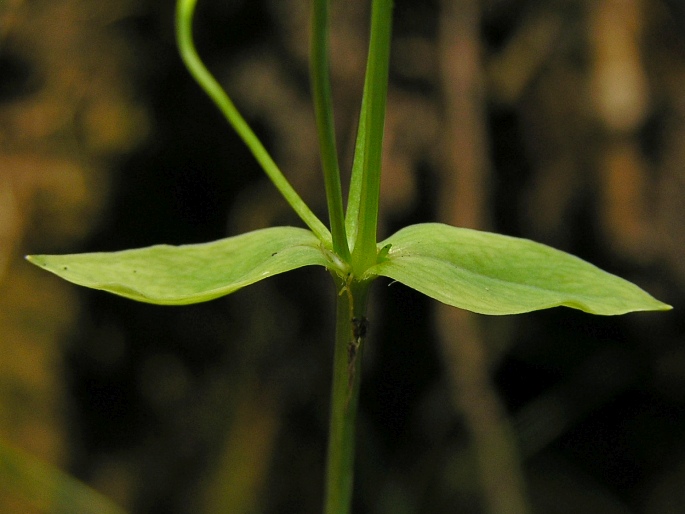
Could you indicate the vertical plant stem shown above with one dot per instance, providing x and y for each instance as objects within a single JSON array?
[
  {"x": 323, "y": 106},
  {"x": 375, "y": 93},
  {"x": 350, "y": 333}
]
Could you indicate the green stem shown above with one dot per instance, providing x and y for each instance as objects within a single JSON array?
[
  {"x": 375, "y": 93},
  {"x": 323, "y": 106},
  {"x": 184, "y": 20},
  {"x": 349, "y": 345},
  {"x": 357, "y": 176}
]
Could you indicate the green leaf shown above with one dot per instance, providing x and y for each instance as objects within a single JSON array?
[
  {"x": 46, "y": 487},
  {"x": 357, "y": 177},
  {"x": 179, "y": 275},
  {"x": 495, "y": 274}
]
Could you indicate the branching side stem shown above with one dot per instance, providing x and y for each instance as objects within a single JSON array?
[{"x": 184, "y": 21}]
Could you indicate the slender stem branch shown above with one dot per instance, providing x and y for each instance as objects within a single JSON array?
[
  {"x": 349, "y": 344},
  {"x": 376, "y": 90},
  {"x": 323, "y": 106},
  {"x": 184, "y": 20}
]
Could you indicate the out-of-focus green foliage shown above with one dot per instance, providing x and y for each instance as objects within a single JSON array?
[{"x": 48, "y": 488}]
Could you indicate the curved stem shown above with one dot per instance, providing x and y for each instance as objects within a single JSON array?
[
  {"x": 184, "y": 19},
  {"x": 323, "y": 106},
  {"x": 349, "y": 344}
]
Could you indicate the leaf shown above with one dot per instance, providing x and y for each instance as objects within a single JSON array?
[
  {"x": 357, "y": 177},
  {"x": 179, "y": 275},
  {"x": 495, "y": 274},
  {"x": 46, "y": 487}
]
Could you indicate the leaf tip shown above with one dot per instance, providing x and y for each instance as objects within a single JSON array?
[
  {"x": 35, "y": 259},
  {"x": 663, "y": 307}
]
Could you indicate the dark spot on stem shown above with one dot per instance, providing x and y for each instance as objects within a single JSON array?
[{"x": 359, "y": 327}]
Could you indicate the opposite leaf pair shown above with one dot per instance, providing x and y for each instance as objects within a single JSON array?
[
  {"x": 478, "y": 271},
  {"x": 482, "y": 272}
]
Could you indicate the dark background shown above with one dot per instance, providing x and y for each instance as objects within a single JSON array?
[{"x": 561, "y": 121}]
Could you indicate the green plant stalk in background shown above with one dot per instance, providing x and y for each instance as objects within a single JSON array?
[{"x": 479, "y": 271}]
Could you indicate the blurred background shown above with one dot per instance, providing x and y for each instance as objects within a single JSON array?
[{"x": 560, "y": 121}]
